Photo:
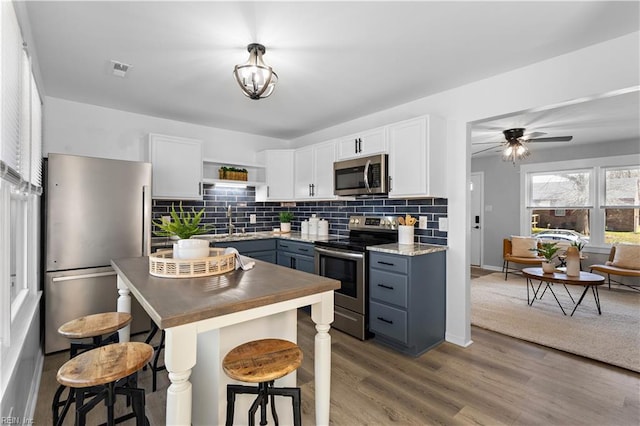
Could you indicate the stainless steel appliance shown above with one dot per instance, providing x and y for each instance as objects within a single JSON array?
[
  {"x": 346, "y": 259},
  {"x": 95, "y": 210},
  {"x": 361, "y": 176}
]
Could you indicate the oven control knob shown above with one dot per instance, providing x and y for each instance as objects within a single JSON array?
[{"x": 356, "y": 221}]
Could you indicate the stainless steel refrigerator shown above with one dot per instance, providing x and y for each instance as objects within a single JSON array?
[{"x": 95, "y": 210}]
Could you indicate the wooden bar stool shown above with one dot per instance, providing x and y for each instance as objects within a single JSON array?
[
  {"x": 94, "y": 374},
  {"x": 262, "y": 362},
  {"x": 102, "y": 330}
]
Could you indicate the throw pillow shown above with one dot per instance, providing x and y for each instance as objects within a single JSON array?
[
  {"x": 521, "y": 246},
  {"x": 627, "y": 256}
]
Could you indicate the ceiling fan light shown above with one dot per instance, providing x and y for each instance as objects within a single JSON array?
[{"x": 255, "y": 78}]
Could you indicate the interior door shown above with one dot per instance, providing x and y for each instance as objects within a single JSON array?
[{"x": 477, "y": 201}]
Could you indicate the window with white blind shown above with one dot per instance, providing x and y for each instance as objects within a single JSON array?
[
  {"x": 20, "y": 179},
  {"x": 595, "y": 200},
  {"x": 11, "y": 87}
]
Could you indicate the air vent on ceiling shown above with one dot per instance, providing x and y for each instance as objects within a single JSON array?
[{"x": 119, "y": 68}]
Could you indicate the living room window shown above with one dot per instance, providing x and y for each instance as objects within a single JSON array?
[
  {"x": 621, "y": 204},
  {"x": 594, "y": 200}
]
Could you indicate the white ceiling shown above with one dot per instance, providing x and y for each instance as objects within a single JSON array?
[
  {"x": 606, "y": 118},
  {"x": 336, "y": 61}
]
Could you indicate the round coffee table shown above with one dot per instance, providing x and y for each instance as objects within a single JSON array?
[{"x": 585, "y": 279}]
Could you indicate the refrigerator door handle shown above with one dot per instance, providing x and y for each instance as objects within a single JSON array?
[
  {"x": 146, "y": 220},
  {"x": 82, "y": 277}
]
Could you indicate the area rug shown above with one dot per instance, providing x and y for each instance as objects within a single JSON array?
[{"x": 613, "y": 337}]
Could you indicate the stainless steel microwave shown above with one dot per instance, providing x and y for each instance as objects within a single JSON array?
[{"x": 361, "y": 176}]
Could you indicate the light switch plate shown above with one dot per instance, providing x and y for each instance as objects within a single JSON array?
[
  {"x": 252, "y": 218},
  {"x": 443, "y": 224},
  {"x": 422, "y": 223}
]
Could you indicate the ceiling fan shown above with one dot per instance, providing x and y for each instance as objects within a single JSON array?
[{"x": 514, "y": 145}]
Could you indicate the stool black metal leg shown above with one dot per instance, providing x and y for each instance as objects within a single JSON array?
[
  {"x": 231, "y": 401},
  {"x": 58, "y": 418},
  {"x": 253, "y": 409},
  {"x": 273, "y": 405},
  {"x": 156, "y": 358},
  {"x": 81, "y": 408},
  {"x": 297, "y": 410}
]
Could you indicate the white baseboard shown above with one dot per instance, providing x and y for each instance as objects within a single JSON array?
[
  {"x": 457, "y": 340},
  {"x": 492, "y": 268},
  {"x": 30, "y": 409}
]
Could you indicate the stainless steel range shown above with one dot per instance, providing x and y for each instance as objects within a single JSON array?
[{"x": 346, "y": 259}]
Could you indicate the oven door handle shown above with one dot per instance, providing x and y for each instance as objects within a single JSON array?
[{"x": 340, "y": 254}]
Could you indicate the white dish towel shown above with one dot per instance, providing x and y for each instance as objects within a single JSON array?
[{"x": 239, "y": 263}]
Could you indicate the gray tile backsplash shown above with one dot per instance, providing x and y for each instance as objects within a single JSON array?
[{"x": 337, "y": 212}]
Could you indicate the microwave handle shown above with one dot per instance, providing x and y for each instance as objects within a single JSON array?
[{"x": 366, "y": 175}]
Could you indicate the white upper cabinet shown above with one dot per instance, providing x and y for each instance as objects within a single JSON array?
[
  {"x": 279, "y": 175},
  {"x": 417, "y": 154},
  {"x": 313, "y": 171},
  {"x": 176, "y": 167},
  {"x": 363, "y": 144}
]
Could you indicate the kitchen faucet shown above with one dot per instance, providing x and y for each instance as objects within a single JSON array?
[{"x": 230, "y": 219}]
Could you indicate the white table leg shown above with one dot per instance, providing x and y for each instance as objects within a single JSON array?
[
  {"x": 180, "y": 358},
  {"x": 124, "y": 305},
  {"x": 322, "y": 316}
]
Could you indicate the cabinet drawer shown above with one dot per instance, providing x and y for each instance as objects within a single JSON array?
[
  {"x": 388, "y": 287},
  {"x": 389, "y": 262},
  {"x": 296, "y": 247},
  {"x": 388, "y": 321}
]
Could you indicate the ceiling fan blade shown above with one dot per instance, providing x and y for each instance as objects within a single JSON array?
[
  {"x": 483, "y": 150},
  {"x": 552, "y": 139},
  {"x": 487, "y": 143},
  {"x": 533, "y": 135}
]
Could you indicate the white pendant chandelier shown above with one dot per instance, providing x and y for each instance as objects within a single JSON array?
[{"x": 256, "y": 79}]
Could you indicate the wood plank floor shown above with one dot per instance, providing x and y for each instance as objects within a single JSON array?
[{"x": 498, "y": 380}]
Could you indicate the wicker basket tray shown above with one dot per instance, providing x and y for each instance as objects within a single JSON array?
[{"x": 162, "y": 264}]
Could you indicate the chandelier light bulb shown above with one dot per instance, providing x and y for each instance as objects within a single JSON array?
[{"x": 256, "y": 79}]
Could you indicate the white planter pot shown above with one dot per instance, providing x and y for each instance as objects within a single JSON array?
[
  {"x": 285, "y": 227},
  {"x": 191, "y": 249},
  {"x": 548, "y": 267}
]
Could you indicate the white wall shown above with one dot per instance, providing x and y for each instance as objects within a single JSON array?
[
  {"x": 83, "y": 129},
  {"x": 595, "y": 70}
]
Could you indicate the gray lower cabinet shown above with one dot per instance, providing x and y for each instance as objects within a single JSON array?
[
  {"x": 258, "y": 249},
  {"x": 407, "y": 300},
  {"x": 296, "y": 255}
]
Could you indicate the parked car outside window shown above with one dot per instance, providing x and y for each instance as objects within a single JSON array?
[{"x": 561, "y": 235}]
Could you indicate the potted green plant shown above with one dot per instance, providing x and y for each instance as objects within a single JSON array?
[
  {"x": 183, "y": 224},
  {"x": 285, "y": 221},
  {"x": 549, "y": 252}
]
